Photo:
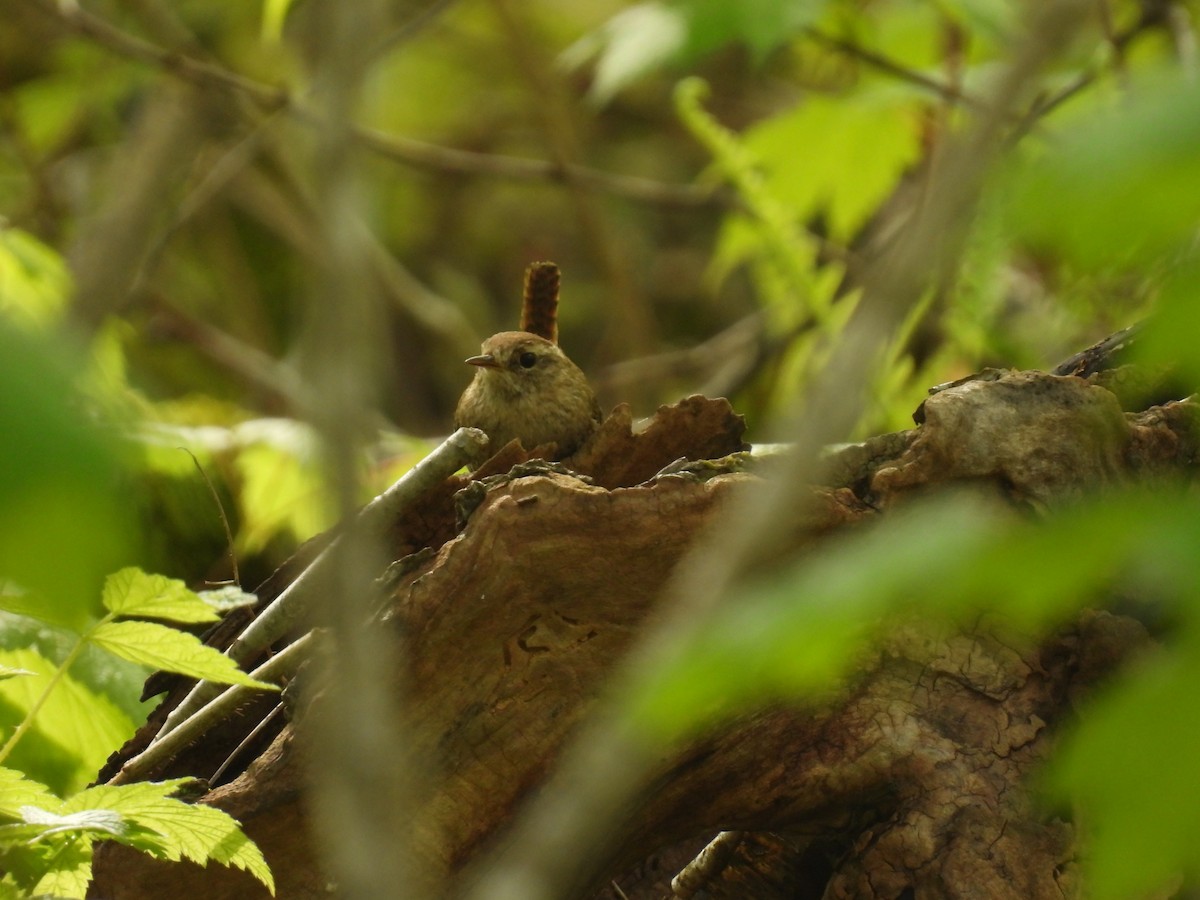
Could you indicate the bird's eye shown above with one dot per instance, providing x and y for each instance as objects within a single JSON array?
[{"x": 527, "y": 360}]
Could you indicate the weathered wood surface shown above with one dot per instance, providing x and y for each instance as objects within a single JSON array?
[{"x": 910, "y": 778}]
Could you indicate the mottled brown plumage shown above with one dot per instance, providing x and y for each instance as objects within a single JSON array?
[{"x": 526, "y": 388}]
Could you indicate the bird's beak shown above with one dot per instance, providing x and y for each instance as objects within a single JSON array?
[{"x": 487, "y": 361}]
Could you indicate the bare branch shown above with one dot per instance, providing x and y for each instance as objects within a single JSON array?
[{"x": 395, "y": 147}]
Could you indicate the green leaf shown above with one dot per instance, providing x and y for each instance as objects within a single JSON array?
[
  {"x": 630, "y": 45},
  {"x": 995, "y": 19},
  {"x": 72, "y": 871},
  {"x": 196, "y": 832},
  {"x": 132, "y": 592},
  {"x": 1131, "y": 769},
  {"x": 172, "y": 651},
  {"x": 647, "y": 37},
  {"x": 762, "y": 25},
  {"x": 840, "y": 156},
  {"x": 74, "y": 732},
  {"x": 1169, "y": 339},
  {"x": 1120, "y": 187},
  {"x": 274, "y": 15},
  {"x": 281, "y": 488},
  {"x": 12, "y": 672},
  {"x": 34, "y": 283},
  {"x": 17, "y": 790},
  {"x": 796, "y": 634},
  {"x": 65, "y": 524}
]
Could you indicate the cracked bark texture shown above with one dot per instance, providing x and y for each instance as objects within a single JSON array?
[{"x": 909, "y": 781}]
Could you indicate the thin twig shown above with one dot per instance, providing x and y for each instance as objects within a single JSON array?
[
  {"x": 223, "y": 705},
  {"x": 212, "y": 490},
  {"x": 245, "y": 742},
  {"x": 395, "y": 147},
  {"x": 950, "y": 92},
  {"x": 1043, "y": 106}
]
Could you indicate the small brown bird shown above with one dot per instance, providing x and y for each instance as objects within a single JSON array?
[{"x": 527, "y": 389}]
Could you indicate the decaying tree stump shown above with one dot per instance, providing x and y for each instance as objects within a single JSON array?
[{"x": 909, "y": 781}]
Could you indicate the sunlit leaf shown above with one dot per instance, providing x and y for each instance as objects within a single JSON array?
[
  {"x": 74, "y": 731},
  {"x": 196, "y": 832},
  {"x": 132, "y": 592},
  {"x": 17, "y": 790},
  {"x": 282, "y": 490},
  {"x": 165, "y": 648},
  {"x": 72, "y": 872},
  {"x": 34, "y": 283}
]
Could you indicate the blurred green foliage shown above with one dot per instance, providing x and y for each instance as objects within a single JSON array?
[{"x": 685, "y": 213}]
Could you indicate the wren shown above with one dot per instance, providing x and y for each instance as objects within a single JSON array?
[{"x": 526, "y": 388}]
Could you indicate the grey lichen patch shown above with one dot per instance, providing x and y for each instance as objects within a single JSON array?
[
  {"x": 467, "y": 500},
  {"x": 700, "y": 470},
  {"x": 395, "y": 573},
  {"x": 845, "y": 465}
]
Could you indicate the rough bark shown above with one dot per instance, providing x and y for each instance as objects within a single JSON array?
[{"x": 911, "y": 780}]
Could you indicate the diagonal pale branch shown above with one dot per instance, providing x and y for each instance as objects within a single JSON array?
[
  {"x": 220, "y": 708},
  {"x": 290, "y": 608}
]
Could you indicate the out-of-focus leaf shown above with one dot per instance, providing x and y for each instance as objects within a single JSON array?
[
  {"x": 840, "y": 156},
  {"x": 633, "y": 43},
  {"x": 34, "y": 283},
  {"x": 281, "y": 493},
  {"x": 1120, "y": 187},
  {"x": 1130, "y": 768},
  {"x": 762, "y": 25},
  {"x": 952, "y": 558},
  {"x": 647, "y": 37},
  {"x": 65, "y": 524},
  {"x": 1170, "y": 337},
  {"x": 274, "y": 15},
  {"x": 994, "y": 19},
  {"x": 796, "y": 633}
]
